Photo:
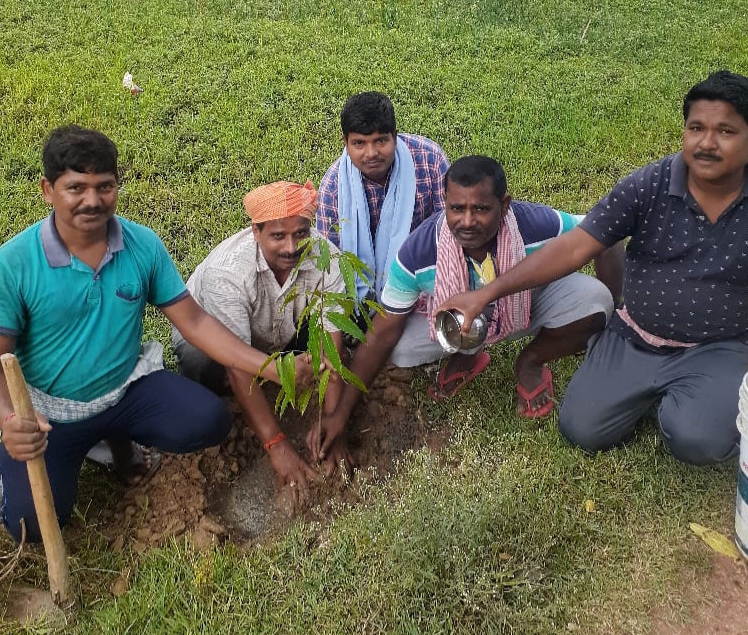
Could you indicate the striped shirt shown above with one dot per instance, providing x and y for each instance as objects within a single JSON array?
[
  {"x": 414, "y": 270},
  {"x": 431, "y": 165}
]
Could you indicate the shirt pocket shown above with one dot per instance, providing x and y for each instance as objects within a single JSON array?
[{"x": 130, "y": 292}]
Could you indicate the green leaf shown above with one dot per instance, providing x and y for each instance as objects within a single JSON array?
[
  {"x": 337, "y": 299},
  {"x": 367, "y": 319},
  {"x": 373, "y": 305},
  {"x": 349, "y": 275},
  {"x": 266, "y": 363},
  {"x": 323, "y": 260},
  {"x": 289, "y": 367},
  {"x": 324, "y": 379},
  {"x": 332, "y": 353},
  {"x": 306, "y": 246},
  {"x": 345, "y": 324},
  {"x": 313, "y": 345},
  {"x": 362, "y": 270},
  {"x": 306, "y": 243},
  {"x": 348, "y": 305},
  {"x": 281, "y": 402},
  {"x": 292, "y": 294},
  {"x": 286, "y": 367},
  {"x": 304, "y": 399},
  {"x": 351, "y": 378},
  {"x": 306, "y": 314}
]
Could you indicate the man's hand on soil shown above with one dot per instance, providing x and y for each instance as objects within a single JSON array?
[
  {"x": 338, "y": 456},
  {"x": 25, "y": 439},
  {"x": 320, "y": 438},
  {"x": 292, "y": 470}
]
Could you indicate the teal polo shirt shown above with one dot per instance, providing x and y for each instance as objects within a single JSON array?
[{"x": 78, "y": 331}]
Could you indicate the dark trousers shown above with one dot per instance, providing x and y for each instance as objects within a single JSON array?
[
  {"x": 161, "y": 410},
  {"x": 695, "y": 391}
]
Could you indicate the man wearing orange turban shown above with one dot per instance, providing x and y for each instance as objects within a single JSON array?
[
  {"x": 281, "y": 199},
  {"x": 244, "y": 282}
]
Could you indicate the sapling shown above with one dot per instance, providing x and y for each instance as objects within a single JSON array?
[{"x": 339, "y": 309}]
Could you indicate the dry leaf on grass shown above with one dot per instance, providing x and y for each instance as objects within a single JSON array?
[
  {"x": 717, "y": 541},
  {"x": 120, "y": 586}
]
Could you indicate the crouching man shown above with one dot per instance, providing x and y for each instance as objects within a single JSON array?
[
  {"x": 75, "y": 287},
  {"x": 680, "y": 342},
  {"x": 246, "y": 283}
]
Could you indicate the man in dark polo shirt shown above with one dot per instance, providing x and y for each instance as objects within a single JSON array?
[{"x": 680, "y": 341}]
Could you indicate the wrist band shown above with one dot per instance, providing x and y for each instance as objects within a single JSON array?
[{"x": 274, "y": 441}]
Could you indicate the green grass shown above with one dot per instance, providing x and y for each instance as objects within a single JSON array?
[{"x": 492, "y": 534}]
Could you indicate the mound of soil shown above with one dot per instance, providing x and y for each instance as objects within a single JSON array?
[{"x": 231, "y": 491}]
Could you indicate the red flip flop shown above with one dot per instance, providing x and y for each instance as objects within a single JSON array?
[
  {"x": 437, "y": 391},
  {"x": 546, "y": 385}
]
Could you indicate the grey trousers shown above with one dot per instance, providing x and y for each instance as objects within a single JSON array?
[
  {"x": 695, "y": 389},
  {"x": 554, "y": 305}
]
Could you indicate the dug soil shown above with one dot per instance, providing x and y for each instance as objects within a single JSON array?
[
  {"x": 717, "y": 605},
  {"x": 231, "y": 492}
]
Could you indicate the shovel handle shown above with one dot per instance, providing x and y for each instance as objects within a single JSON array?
[{"x": 54, "y": 547}]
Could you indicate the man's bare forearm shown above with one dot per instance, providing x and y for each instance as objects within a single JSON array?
[{"x": 370, "y": 357}]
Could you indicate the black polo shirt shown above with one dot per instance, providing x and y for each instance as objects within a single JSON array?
[{"x": 685, "y": 279}]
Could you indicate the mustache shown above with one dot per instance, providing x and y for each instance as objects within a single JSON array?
[
  {"x": 707, "y": 156},
  {"x": 90, "y": 210},
  {"x": 289, "y": 255}
]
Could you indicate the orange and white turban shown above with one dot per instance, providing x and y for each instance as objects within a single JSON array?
[{"x": 281, "y": 199}]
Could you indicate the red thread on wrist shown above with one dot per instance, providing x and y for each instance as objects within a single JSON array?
[
  {"x": 10, "y": 416},
  {"x": 274, "y": 441}
]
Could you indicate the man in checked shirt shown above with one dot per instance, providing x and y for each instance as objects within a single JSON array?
[{"x": 382, "y": 187}]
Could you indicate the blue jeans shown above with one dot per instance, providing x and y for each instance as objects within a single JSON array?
[{"x": 161, "y": 410}]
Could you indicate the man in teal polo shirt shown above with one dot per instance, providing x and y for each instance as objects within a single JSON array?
[{"x": 73, "y": 290}]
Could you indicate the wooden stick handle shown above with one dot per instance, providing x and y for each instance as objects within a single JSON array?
[{"x": 54, "y": 547}]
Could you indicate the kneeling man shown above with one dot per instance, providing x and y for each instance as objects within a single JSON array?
[
  {"x": 246, "y": 283},
  {"x": 482, "y": 234}
]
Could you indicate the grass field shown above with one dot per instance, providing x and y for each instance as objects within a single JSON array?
[{"x": 493, "y": 535}]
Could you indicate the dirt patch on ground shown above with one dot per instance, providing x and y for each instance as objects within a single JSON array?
[
  {"x": 231, "y": 491},
  {"x": 719, "y": 605}
]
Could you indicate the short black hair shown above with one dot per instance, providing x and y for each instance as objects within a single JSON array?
[
  {"x": 720, "y": 86},
  {"x": 367, "y": 113},
  {"x": 78, "y": 149},
  {"x": 471, "y": 170}
]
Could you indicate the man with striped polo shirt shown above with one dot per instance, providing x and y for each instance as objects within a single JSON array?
[
  {"x": 482, "y": 234},
  {"x": 680, "y": 342}
]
